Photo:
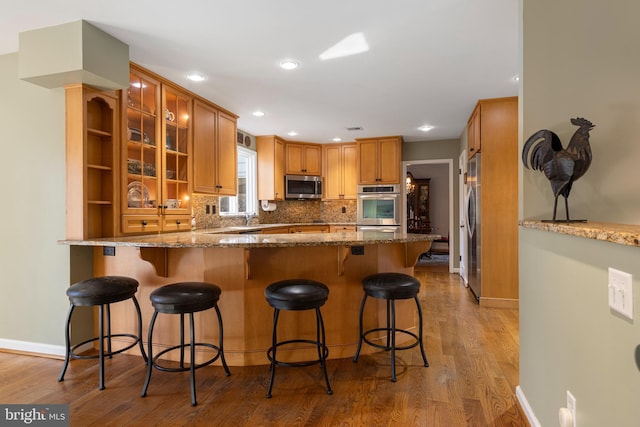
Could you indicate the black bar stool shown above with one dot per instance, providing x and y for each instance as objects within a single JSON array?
[
  {"x": 182, "y": 298},
  {"x": 101, "y": 291},
  {"x": 391, "y": 286},
  {"x": 298, "y": 294}
]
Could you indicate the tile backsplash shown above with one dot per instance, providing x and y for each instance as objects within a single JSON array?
[{"x": 287, "y": 212}]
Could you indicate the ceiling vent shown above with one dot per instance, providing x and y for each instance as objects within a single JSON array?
[
  {"x": 244, "y": 139},
  {"x": 352, "y": 128}
]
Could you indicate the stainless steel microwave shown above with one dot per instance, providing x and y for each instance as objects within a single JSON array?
[{"x": 302, "y": 187}]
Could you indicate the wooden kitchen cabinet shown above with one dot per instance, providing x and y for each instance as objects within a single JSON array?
[
  {"x": 498, "y": 136},
  {"x": 92, "y": 147},
  {"x": 214, "y": 151},
  {"x": 342, "y": 228},
  {"x": 156, "y": 164},
  {"x": 379, "y": 160},
  {"x": 303, "y": 158},
  {"x": 309, "y": 229},
  {"x": 473, "y": 132},
  {"x": 270, "y": 151},
  {"x": 340, "y": 177}
]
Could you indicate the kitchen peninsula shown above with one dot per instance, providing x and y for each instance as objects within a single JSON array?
[{"x": 243, "y": 265}]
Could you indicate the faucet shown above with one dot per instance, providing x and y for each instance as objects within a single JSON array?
[{"x": 248, "y": 216}]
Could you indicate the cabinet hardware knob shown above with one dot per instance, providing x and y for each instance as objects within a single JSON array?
[
  {"x": 178, "y": 221},
  {"x": 144, "y": 223}
]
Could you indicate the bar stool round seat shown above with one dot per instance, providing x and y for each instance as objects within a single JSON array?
[
  {"x": 298, "y": 294},
  {"x": 391, "y": 287},
  {"x": 185, "y": 298},
  {"x": 101, "y": 292}
]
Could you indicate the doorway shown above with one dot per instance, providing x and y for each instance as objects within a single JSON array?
[{"x": 439, "y": 172}]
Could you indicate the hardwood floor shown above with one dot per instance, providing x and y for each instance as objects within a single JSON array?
[{"x": 472, "y": 352}]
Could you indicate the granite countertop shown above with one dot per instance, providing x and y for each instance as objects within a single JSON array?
[
  {"x": 622, "y": 234},
  {"x": 220, "y": 238}
]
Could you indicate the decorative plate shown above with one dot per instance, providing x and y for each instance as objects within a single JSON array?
[
  {"x": 137, "y": 195},
  {"x": 247, "y": 141}
]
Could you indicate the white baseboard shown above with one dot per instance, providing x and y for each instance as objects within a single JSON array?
[
  {"x": 32, "y": 347},
  {"x": 524, "y": 404}
]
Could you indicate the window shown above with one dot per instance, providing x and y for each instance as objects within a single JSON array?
[{"x": 246, "y": 200}]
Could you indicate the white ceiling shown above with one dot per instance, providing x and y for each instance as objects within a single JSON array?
[{"x": 429, "y": 60}]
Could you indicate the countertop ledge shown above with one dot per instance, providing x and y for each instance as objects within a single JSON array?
[
  {"x": 213, "y": 239},
  {"x": 622, "y": 234}
]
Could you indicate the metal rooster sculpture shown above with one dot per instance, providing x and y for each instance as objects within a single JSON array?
[{"x": 561, "y": 166}]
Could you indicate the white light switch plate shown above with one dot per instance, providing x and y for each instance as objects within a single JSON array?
[{"x": 621, "y": 292}]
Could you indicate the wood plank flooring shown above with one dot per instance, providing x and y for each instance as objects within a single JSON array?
[{"x": 472, "y": 352}]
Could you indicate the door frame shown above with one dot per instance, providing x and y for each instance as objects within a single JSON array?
[{"x": 462, "y": 207}]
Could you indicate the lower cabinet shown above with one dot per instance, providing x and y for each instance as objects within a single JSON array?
[
  {"x": 341, "y": 228},
  {"x": 145, "y": 224},
  {"x": 309, "y": 229},
  {"x": 141, "y": 224}
]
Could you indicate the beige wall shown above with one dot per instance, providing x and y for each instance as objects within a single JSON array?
[
  {"x": 34, "y": 268},
  {"x": 580, "y": 58}
]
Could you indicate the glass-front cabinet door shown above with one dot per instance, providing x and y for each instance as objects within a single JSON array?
[
  {"x": 176, "y": 153},
  {"x": 142, "y": 146},
  {"x": 156, "y": 179}
]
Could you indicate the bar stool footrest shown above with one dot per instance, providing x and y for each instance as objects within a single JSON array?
[
  {"x": 186, "y": 368},
  {"x": 388, "y": 330},
  {"x": 325, "y": 350},
  {"x": 73, "y": 354}
]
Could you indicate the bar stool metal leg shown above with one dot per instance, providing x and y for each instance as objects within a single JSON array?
[
  {"x": 392, "y": 303},
  {"x": 67, "y": 341},
  {"x": 192, "y": 367},
  {"x": 150, "y": 353},
  {"x": 224, "y": 362},
  {"x": 274, "y": 341},
  {"x": 424, "y": 356},
  {"x": 139, "y": 314},
  {"x": 321, "y": 348},
  {"x": 361, "y": 329},
  {"x": 101, "y": 344}
]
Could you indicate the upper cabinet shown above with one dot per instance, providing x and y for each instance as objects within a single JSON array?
[
  {"x": 214, "y": 151},
  {"x": 379, "y": 160},
  {"x": 270, "y": 150},
  {"x": 92, "y": 130},
  {"x": 130, "y": 156},
  {"x": 473, "y": 132},
  {"x": 156, "y": 160},
  {"x": 176, "y": 155},
  {"x": 303, "y": 158},
  {"x": 340, "y": 177}
]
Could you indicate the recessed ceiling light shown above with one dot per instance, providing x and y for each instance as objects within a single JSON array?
[
  {"x": 337, "y": 139},
  {"x": 425, "y": 128},
  {"x": 289, "y": 64},
  {"x": 196, "y": 77},
  {"x": 258, "y": 113},
  {"x": 292, "y": 133}
]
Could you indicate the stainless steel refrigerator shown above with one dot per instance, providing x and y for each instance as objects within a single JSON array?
[{"x": 473, "y": 225}]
